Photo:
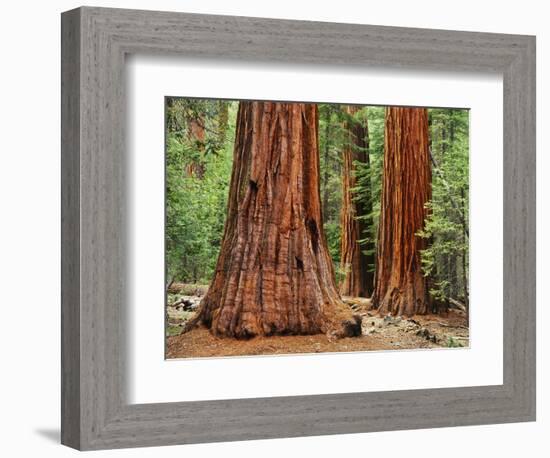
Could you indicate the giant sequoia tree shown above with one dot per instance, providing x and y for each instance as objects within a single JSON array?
[
  {"x": 274, "y": 274},
  {"x": 400, "y": 286},
  {"x": 355, "y": 213}
]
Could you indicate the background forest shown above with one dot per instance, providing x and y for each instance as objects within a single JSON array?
[{"x": 199, "y": 155}]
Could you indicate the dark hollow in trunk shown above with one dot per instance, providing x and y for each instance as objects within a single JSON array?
[
  {"x": 400, "y": 286},
  {"x": 274, "y": 274}
]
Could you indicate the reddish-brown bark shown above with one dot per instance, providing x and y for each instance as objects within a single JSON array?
[
  {"x": 274, "y": 274},
  {"x": 400, "y": 286},
  {"x": 196, "y": 134},
  {"x": 358, "y": 279}
]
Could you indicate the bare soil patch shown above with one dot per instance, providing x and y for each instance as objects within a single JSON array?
[{"x": 378, "y": 333}]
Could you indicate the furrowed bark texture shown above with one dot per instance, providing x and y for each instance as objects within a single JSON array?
[
  {"x": 274, "y": 274},
  {"x": 400, "y": 287},
  {"x": 358, "y": 280}
]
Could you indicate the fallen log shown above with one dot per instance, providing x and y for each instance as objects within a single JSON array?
[{"x": 457, "y": 304}]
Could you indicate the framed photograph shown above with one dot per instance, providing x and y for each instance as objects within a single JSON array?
[
  {"x": 294, "y": 269},
  {"x": 278, "y": 228}
]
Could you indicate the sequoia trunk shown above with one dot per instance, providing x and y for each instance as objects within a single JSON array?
[
  {"x": 274, "y": 274},
  {"x": 358, "y": 279},
  {"x": 400, "y": 286}
]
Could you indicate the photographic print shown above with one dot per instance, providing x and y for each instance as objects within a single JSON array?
[{"x": 297, "y": 227}]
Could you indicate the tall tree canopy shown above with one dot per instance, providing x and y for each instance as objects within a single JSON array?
[
  {"x": 195, "y": 205},
  {"x": 445, "y": 260}
]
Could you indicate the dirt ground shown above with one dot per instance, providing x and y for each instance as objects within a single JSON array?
[{"x": 378, "y": 333}]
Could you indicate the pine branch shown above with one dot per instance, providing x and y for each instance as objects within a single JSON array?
[{"x": 448, "y": 188}]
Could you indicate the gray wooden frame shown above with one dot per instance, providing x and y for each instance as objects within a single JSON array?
[{"x": 95, "y": 413}]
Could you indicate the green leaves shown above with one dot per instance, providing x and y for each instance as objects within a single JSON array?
[
  {"x": 199, "y": 152},
  {"x": 446, "y": 228},
  {"x": 197, "y": 180}
]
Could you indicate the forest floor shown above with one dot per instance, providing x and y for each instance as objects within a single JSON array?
[{"x": 378, "y": 333}]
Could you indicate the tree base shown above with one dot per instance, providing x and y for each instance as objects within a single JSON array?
[
  {"x": 399, "y": 303},
  {"x": 344, "y": 324}
]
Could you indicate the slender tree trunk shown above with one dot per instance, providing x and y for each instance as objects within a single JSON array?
[
  {"x": 326, "y": 151},
  {"x": 400, "y": 287},
  {"x": 465, "y": 259},
  {"x": 453, "y": 257},
  {"x": 196, "y": 134},
  {"x": 171, "y": 124},
  {"x": 223, "y": 118},
  {"x": 358, "y": 280},
  {"x": 274, "y": 274}
]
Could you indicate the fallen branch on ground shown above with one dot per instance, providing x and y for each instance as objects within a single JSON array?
[{"x": 457, "y": 304}]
